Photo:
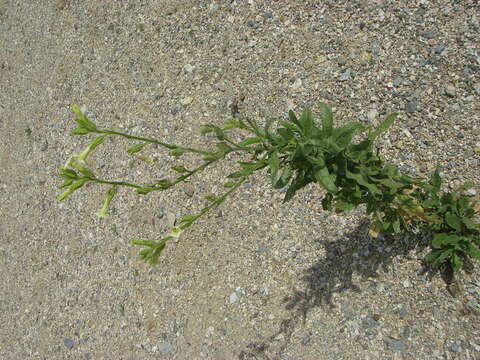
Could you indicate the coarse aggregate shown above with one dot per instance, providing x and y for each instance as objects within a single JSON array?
[{"x": 256, "y": 278}]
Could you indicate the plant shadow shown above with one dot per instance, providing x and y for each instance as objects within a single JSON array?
[{"x": 355, "y": 254}]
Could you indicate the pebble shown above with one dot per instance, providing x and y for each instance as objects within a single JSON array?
[
  {"x": 233, "y": 297},
  {"x": 68, "y": 343},
  {"x": 188, "y": 68},
  {"x": 252, "y": 24},
  {"x": 165, "y": 348},
  {"x": 411, "y": 107},
  {"x": 396, "y": 345},
  {"x": 305, "y": 340},
  {"x": 439, "y": 48},
  {"x": 426, "y": 34},
  {"x": 456, "y": 348},
  {"x": 470, "y": 192},
  {"x": 341, "y": 61},
  {"x": 450, "y": 91},
  {"x": 187, "y": 100},
  {"x": 372, "y": 114},
  {"x": 297, "y": 84},
  {"x": 345, "y": 75},
  {"x": 476, "y": 87},
  {"x": 188, "y": 189},
  {"x": 397, "y": 81}
]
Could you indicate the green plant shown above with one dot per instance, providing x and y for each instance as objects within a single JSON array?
[{"x": 296, "y": 153}]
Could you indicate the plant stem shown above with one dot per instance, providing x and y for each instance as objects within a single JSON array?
[{"x": 154, "y": 141}]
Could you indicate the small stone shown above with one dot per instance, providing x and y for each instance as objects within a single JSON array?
[
  {"x": 341, "y": 61},
  {"x": 68, "y": 343},
  {"x": 476, "y": 87},
  {"x": 44, "y": 146},
  {"x": 470, "y": 192},
  {"x": 251, "y": 23},
  {"x": 397, "y": 81},
  {"x": 396, "y": 345},
  {"x": 439, "y": 48},
  {"x": 188, "y": 68},
  {"x": 456, "y": 348},
  {"x": 189, "y": 189},
  {"x": 233, "y": 297},
  {"x": 186, "y": 100},
  {"x": 345, "y": 75},
  {"x": 372, "y": 114},
  {"x": 267, "y": 15},
  {"x": 411, "y": 107},
  {"x": 366, "y": 57},
  {"x": 403, "y": 311},
  {"x": 305, "y": 340},
  {"x": 450, "y": 91},
  {"x": 426, "y": 34},
  {"x": 297, "y": 84},
  {"x": 165, "y": 348}
]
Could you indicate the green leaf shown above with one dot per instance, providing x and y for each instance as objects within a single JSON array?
[
  {"x": 145, "y": 190},
  {"x": 82, "y": 120},
  {"x": 327, "y": 202},
  {"x": 327, "y": 119},
  {"x": 76, "y": 185},
  {"x": 206, "y": 129},
  {"x": 178, "y": 152},
  {"x": 92, "y": 146},
  {"x": 285, "y": 133},
  {"x": 164, "y": 183},
  {"x": 249, "y": 141},
  {"x": 238, "y": 174},
  {"x": 79, "y": 131},
  {"x": 443, "y": 239},
  {"x": 135, "y": 148},
  {"x": 383, "y": 127},
  {"x": 180, "y": 169},
  {"x": 223, "y": 147},
  {"x": 294, "y": 119},
  {"x": 436, "y": 181},
  {"x": 456, "y": 263},
  {"x": 288, "y": 125},
  {"x": 66, "y": 182},
  {"x": 438, "y": 257},
  {"x": 219, "y": 133},
  {"x": 284, "y": 178},
  {"x": 106, "y": 203},
  {"x": 83, "y": 170},
  {"x": 344, "y": 206},
  {"x": 68, "y": 173},
  {"x": 453, "y": 221},
  {"x": 473, "y": 251},
  {"x": 274, "y": 163},
  {"x": 211, "y": 198},
  {"x": 229, "y": 184},
  {"x": 361, "y": 180},
  {"x": 344, "y": 135},
  {"x": 469, "y": 224},
  {"x": 306, "y": 120},
  {"x": 299, "y": 182},
  {"x": 187, "y": 218},
  {"x": 324, "y": 178}
]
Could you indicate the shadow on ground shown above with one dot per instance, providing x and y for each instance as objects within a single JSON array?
[{"x": 354, "y": 253}]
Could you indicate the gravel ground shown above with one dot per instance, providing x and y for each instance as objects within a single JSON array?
[{"x": 255, "y": 279}]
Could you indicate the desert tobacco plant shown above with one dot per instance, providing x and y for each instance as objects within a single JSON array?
[{"x": 298, "y": 152}]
